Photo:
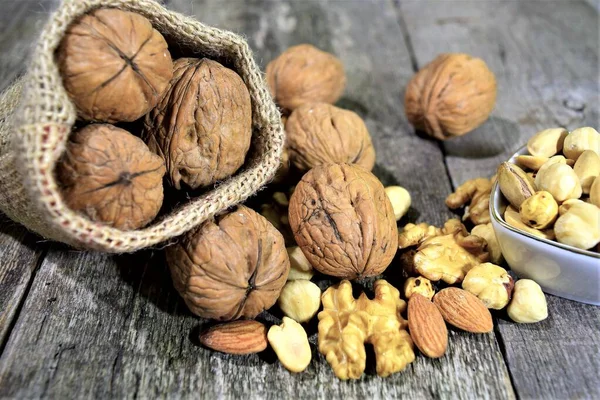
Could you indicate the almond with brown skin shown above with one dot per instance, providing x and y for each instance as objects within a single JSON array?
[
  {"x": 427, "y": 327},
  {"x": 463, "y": 310},
  {"x": 238, "y": 337}
]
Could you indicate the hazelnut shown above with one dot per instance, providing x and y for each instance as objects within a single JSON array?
[
  {"x": 300, "y": 300},
  {"x": 579, "y": 226},
  {"x": 300, "y": 268},
  {"x": 560, "y": 180},
  {"x": 420, "y": 285},
  {"x": 400, "y": 199},
  {"x": 290, "y": 343},
  {"x": 547, "y": 143},
  {"x": 539, "y": 211},
  {"x": 531, "y": 162},
  {"x": 491, "y": 284},
  {"x": 319, "y": 133},
  {"x": 580, "y": 140},
  {"x": 587, "y": 168},
  {"x": 513, "y": 218},
  {"x": 567, "y": 204},
  {"x": 450, "y": 96},
  {"x": 595, "y": 192},
  {"x": 304, "y": 74},
  {"x": 115, "y": 66},
  {"x": 528, "y": 302}
]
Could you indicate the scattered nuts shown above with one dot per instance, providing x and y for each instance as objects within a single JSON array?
[
  {"x": 531, "y": 162},
  {"x": 290, "y": 343},
  {"x": 418, "y": 285},
  {"x": 300, "y": 268},
  {"x": 427, "y": 327},
  {"x": 513, "y": 218},
  {"x": 528, "y": 303},
  {"x": 514, "y": 184},
  {"x": 345, "y": 324},
  {"x": 491, "y": 284},
  {"x": 579, "y": 226},
  {"x": 595, "y": 192},
  {"x": 304, "y": 74},
  {"x": 300, "y": 300},
  {"x": 547, "y": 143},
  {"x": 238, "y": 337},
  {"x": 580, "y": 140},
  {"x": 463, "y": 310},
  {"x": 477, "y": 193},
  {"x": 486, "y": 231},
  {"x": 560, "y": 180},
  {"x": 400, "y": 199},
  {"x": 587, "y": 168},
  {"x": 539, "y": 211}
]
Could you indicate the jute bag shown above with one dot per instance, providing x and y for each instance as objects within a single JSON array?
[{"x": 36, "y": 117}]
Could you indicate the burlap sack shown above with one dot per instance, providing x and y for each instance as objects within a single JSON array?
[{"x": 36, "y": 117}]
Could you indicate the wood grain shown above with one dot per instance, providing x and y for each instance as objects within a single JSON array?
[{"x": 546, "y": 63}]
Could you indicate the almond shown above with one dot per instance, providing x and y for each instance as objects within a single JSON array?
[
  {"x": 463, "y": 310},
  {"x": 239, "y": 337},
  {"x": 427, "y": 327}
]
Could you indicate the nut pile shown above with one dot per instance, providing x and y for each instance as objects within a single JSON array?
[{"x": 554, "y": 191}]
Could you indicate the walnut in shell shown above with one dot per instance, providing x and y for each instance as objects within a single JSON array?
[
  {"x": 305, "y": 74},
  {"x": 203, "y": 125},
  {"x": 114, "y": 64},
  {"x": 319, "y": 133},
  {"x": 232, "y": 267},
  {"x": 110, "y": 175},
  {"x": 450, "y": 96},
  {"x": 343, "y": 221}
]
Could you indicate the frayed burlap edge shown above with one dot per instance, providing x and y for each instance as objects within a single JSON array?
[{"x": 41, "y": 124}]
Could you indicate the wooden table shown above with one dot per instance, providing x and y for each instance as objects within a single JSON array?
[{"x": 79, "y": 324}]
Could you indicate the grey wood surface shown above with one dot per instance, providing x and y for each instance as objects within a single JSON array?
[{"x": 91, "y": 325}]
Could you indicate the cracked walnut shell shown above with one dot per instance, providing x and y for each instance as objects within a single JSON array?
[
  {"x": 203, "y": 125},
  {"x": 110, "y": 175},
  {"x": 231, "y": 267},
  {"x": 319, "y": 133},
  {"x": 115, "y": 66},
  {"x": 343, "y": 221},
  {"x": 450, "y": 96}
]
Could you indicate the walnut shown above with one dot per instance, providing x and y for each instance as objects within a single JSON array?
[
  {"x": 110, "y": 176},
  {"x": 203, "y": 125},
  {"x": 114, "y": 64},
  {"x": 414, "y": 235},
  {"x": 319, "y": 133},
  {"x": 450, "y": 96},
  {"x": 343, "y": 221},
  {"x": 477, "y": 193},
  {"x": 231, "y": 267},
  {"x": 346, "y": 324},
  {"x": 305, "y": 74}
]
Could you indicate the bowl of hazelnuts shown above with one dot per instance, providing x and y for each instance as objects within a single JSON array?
[{"x": 545, "y": 210}]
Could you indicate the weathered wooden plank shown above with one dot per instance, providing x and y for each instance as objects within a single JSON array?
[
  {"x": 100, "y": 326},
  {"x": 546, "y": 63}
]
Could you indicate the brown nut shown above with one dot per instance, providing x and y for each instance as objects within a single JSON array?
[
  {"x": 514, "y": 184},
  {"x": 232, "y": 267},
  {"x": 450, "y": 96},
  {"x": 110, "y": 175},
  {"x": 343, "y": 221},
  {"x": 304, "y": 74},
  {"x": 115, "y": 66},
  {"x": 587, "y": 168},
  {"x": 203, "y": 125},
  {"x": 237, "y": 337},
  {"x": 547, "y": 143},
  {"x": 463, "y": 310},
  {"x": 491, "y": 284},
  {"x": 539, "y": 211},
  {"x": 319, "y": 133},
  {"x": 580, "y": 140}
]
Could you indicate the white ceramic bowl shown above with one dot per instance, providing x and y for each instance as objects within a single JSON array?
[{"x": 559, "y": 269}]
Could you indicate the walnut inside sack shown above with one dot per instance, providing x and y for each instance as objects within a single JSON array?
[
  {"x": 450, "y": 96},
  {"x": 203, "y": 125},
  {"x": 110, "y": 176},
  {"x": 319, "y": 133},
  {"x": 114, "y": 64},
  {"x": 343, "y": 221},
  {"x": 234, "y": 266}
]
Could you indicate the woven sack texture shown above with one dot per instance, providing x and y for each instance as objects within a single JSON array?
[{"x": 36, "y": 117}]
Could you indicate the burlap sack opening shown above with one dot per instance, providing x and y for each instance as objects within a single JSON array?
[{"x": 36, "y": 117}]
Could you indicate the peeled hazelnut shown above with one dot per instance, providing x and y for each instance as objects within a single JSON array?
[
  {"x": 531, "y": 162},
  {"x": 300, "y": 300},
  {"x": 290, "y": 343},
  {"x": 418, "y": 285},
  {"x": 513, "y": 218},
  {"x": 515, "y": 185},
  {"x": 547, "y": 143},
  {"x": 580, "y": 140},
  {"x": 486, "y": 231},
  {"x": 567, "y": 204},
  {"x": 579, "y": 226},
  {"x": 400, "y": 199},
  {"x": 300, "y": 268},
  {"x": 528, "y": 302},
  {"x": 560, "y": 180},
  {"x": 551, "y": 160},
  {"x": 587, "y": 168},
  {"x": 595, "y": 192},
  {"x": 491, "y": 284},
  {"x": 539, "y": 211},
  {"x": 304, "y": 74}
]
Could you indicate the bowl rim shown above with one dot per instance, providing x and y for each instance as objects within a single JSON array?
[{"x": 495, "y": 214}]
